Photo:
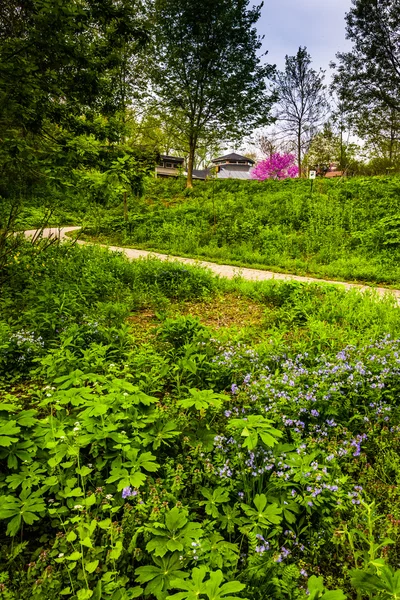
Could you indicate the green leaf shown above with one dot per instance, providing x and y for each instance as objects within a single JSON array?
[
  {"x": 334, "y": 595},
  {"x": 84, "y": 594},
  {"x": 175, "y": 519},
  {"x": 14, "y": 525},
  {"x": 91, "y": 566},
  {"x": 74, "y": 556}
]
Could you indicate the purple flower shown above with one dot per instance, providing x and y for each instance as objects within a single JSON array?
[{"x": 128, "y": 492}]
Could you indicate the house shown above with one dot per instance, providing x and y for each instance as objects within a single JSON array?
[
  {"x": 230, "y": 166},
  {"x": 169, "y": 166},
  {"x": 333, "y": 171},
  {"x": 233, "y": 166},
  {"x": 201, "y": 174}
]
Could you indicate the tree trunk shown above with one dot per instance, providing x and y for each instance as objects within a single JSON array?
[
  {"x": 392, "y": 139},
  {"x": 341, "y": 148},
  {"x": 189, "y": 182},
  {"x": 125, "y": 208},
  {"x": 299, "y": 151}
]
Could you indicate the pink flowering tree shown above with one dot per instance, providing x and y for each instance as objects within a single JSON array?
[{"x": 278, "y": 166}]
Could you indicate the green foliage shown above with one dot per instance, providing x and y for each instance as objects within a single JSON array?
[
  {"x": 262, "y": 516},
  {"x": 254, "y": 428},
  {"x": 317, "y": 590},
  {"x": 345, "y": 229},
  {"x": 175, "y": 534},
  {"x": 212, "y": 589},
  {"x": 145, "y": 453},
  {"x": 159, "y": 577},
  {"x": 379, "y": 579},
  {"x": 206, "y": 89}
]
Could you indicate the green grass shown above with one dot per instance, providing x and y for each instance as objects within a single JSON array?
[{"x": 347, "y": 230}]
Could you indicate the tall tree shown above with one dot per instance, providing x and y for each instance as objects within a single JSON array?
[
  {"x": 60, "y": 68},
  {"x": 302, "y": 105},
  {"x": 206, "y": 71},
  {"x": 367, "y": 79},
  {"x": 369, "y": 75},
  {"x": 380, "y": 129}
]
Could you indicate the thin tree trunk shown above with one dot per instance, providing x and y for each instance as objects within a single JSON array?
[
  {"x": 392, "y": 138},
  {"x": 189, "y": 182},
  {"x": 341, "y": 148},
  {"x": 125, "y": 207},
  {"x": 299, "y": 152}
]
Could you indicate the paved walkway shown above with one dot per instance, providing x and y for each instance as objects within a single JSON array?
[{"x": 227, "y": 271}]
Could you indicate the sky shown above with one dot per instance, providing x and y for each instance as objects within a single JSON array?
[{"x": 317, "y": 24}]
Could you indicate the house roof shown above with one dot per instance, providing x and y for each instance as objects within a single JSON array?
[
  {"x": 172, "y": 158},
  {"x": 233, "y": 156}
]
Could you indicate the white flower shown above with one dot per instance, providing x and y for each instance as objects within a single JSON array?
[
  {"x": 61, "y": 555},
  {"x": 109, "y": 496},
  {"x": 78, "y": 507}
]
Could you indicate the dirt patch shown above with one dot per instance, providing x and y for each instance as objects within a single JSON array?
[{"x": 220, "y": 312}]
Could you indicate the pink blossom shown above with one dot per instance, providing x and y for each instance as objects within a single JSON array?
[{"x": 278, "y": 166}]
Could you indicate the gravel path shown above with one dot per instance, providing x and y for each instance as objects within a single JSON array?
[{"x": 223, "y": 270}]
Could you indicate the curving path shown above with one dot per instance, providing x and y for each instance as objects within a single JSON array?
[{"x": 227, "y": 271}]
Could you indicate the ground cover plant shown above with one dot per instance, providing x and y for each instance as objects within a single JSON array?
[
  {"x": 344, "y": 229},
  {"x": 166, "y": 434}
]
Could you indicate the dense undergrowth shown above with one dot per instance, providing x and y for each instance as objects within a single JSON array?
[
  {"x": 251, "y": 451},
  {"x": 345, "y": 229}
]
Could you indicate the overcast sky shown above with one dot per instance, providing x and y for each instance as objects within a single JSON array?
[{"x": 317, "y": 24}]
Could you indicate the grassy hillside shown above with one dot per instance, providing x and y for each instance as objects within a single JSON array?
[{"x": 345, "y": 229}]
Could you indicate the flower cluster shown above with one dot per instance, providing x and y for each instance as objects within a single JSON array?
[{"x": 278, "y": 166}]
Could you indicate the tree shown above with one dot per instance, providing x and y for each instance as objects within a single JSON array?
[
  {"x": 367, "y": 79},
  {"x": 325, "y": 149},
  {"x": 278, "y": 166},
  {"x": 369, "y": 75},
  {"x": 206, "y": 73},
  {"x": 60, "y": 69},
  {"x": 380, "y": 129},
  {"x": 301, "y": 102}
]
